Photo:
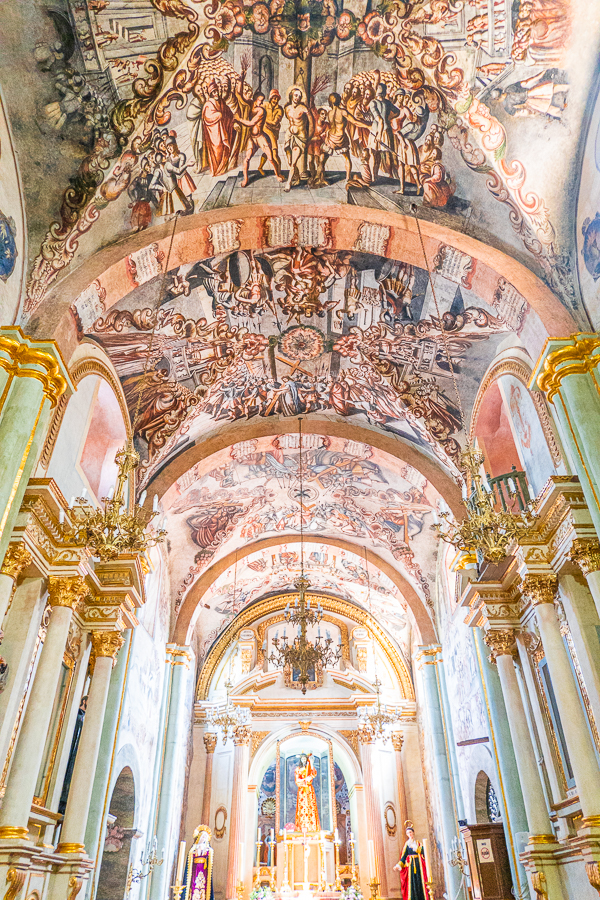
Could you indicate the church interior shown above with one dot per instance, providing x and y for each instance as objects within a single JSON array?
[{"x": 299, "y": 429}]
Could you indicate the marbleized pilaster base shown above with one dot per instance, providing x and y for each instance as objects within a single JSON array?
[
  {"x": 64, "y": 874},
  {"x": 69, "y": 875},
  {"x": 542, "y": 867}
]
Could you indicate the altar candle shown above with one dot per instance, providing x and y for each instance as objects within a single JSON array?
[
  {"x": 426, "y": 855},
  {"x": 272, "y": 835},
  {"x": 242, "y": 862},
  {"x": 372, "y": 866},
  {"x": 337, "y": 835},
  {"x": 259, "y": 835},
  {"x": 180, "y": 862}
]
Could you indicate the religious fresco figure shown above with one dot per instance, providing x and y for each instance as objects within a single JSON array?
[
  {"x": 412, "y": 868},
  {"x": 197, "y": 878},
  {"x": 307, "y": 813}
]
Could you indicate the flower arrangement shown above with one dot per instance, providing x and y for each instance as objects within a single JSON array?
[
  {"x": 353, "y": 892},
  {"x": 261, "y": 892}
]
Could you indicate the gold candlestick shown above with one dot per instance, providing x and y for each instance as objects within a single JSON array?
[
  {"x": 353, "y": 862},
  {"x": 177, "y": 889},
  {"x": 374, "y": 886},
  {"x": 338, "y": 883},
  {"x": 429, "y": 886},
  {"x": 240, "y": 890}
]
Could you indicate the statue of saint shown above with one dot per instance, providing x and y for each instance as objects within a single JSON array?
[
  {"x": 307, "y": 813},
  {"x": 413, "y": 872},
  {"x": 197, "y": 877}
]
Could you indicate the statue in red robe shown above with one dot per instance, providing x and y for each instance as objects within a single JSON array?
[
  {"x": 412, "y": 868},
  {"x": 307, "y": 812},
  {"x": 198, "y": 875}
]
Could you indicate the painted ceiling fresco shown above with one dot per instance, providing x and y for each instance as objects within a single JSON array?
[
  {"x": 297, "y": 330},
  {"x": 329, "y": 569},
  {"x": 253, "y": 490},
  {"x": 124, "y": 115}
]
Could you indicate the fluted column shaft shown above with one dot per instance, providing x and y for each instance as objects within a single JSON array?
[
  {"x": 542, "y": 590},
  {"x": 27, "y": 757},
  {"x": 105, "y": 646},
  {"x": 397, "y": 742},
  {"x": 210, "y": 742},
  {"x": 237, "y": 830},
  {"x": 502, "y": 644},
  {"x": 374, "y": 825}
]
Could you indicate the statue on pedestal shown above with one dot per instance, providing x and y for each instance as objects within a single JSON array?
[
  {"x": 307, "y": 811},
  {"x": 412, "y": 868},
  {"x": 197, "y": 877}
]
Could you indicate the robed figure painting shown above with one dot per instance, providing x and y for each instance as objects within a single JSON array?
[
  {"x": 413, "y": 872},
  {"x": 198, "y": 871},
  {"x": 307, "y": 812}
]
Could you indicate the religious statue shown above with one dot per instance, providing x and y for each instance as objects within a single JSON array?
[
  {"x": 412, "y": 868},
  {"x": 197, "y": 878},
  {"x": 307, "y": 813}
]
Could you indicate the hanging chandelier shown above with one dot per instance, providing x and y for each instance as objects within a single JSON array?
[
  {"x": 375, "y": 721},
  {"x": 301, "y": 655},
  {"x": 227, "y": 718},
  {"x": 109, "y": 531},
  {"x": 485, "y": 531}
]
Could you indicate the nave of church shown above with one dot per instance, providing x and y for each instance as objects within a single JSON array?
[{"x": 299, "y": 470}]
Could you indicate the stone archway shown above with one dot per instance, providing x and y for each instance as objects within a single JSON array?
[{"x": 112, "y": 880}]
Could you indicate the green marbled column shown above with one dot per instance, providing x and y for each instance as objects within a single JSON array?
[
  {"x": 514, "y": 817},
  {"x": 33, "y": 377},
  {"x": 567, "y": 371},
  {"x": 97, "y": 815}
]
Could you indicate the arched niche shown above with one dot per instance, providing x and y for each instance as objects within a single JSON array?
[
  {"x": 335, "y": 605},
  {"x": 512, "y": 423},
  {"x": 112, "y": 879},
  {"x": 87, "y": 428}
]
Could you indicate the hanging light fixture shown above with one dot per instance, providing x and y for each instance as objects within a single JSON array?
[
  {"x": 301, "y": 655},
  {"x": 485, "y": 530},
  {"x": 228, "y": 717},
  {"x": 111, "y": 530},
  {"x": 376, "y": 720}
]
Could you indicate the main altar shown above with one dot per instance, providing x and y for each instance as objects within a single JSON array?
[{"x": 300, "y": 853}]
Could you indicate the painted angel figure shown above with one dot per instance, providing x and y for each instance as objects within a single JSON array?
[
  {"x": 307, "y": 813},
  {"x": 197, "y": 878}
]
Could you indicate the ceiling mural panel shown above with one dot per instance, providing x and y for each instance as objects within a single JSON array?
[
  {"x": 299, "y": 330},
  {"x": 329, "y": 569},
  {"x": 253, "y": 489},
  {"x": 176, "y": 107}
]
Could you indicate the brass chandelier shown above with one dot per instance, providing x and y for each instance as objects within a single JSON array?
[
  {"x": 109, "y": 531},
  {"x": 301, "y": 655},
  {"x": 376, "y": 720},
  {"x": 228, "y": 717},
  {"x": 485, "y": 531}
]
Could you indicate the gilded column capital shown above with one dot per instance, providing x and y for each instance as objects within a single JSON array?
[
  {"x": 574, "y": 356},
  {"x": 16, "y": 559},
  {"x": 105, "y": 643},
  {"x": 540, "y": 588},
  {"x": 178, "y": 655},
  {"x": 500, "y": 642},
  {"x": 242, "y": 735},
  {"x": 210, "y": 741},
  {"x": 365, "y": 737},
  {"x": 66, "y": 591},
  {"x": 397, "y": 740},
  {"x": 586, "y": 554},
  {"x": 19, "y": 356}
]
